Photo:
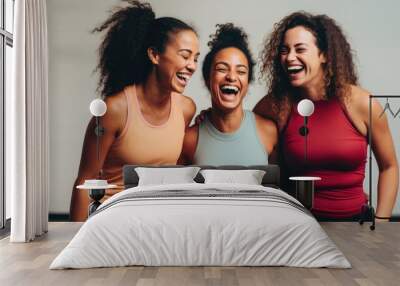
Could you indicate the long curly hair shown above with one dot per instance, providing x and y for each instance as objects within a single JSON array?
[
  {"x": 227, "y": 35},
  {"x": 339, "y": 68},
  {"x": 130, "y": 31}
]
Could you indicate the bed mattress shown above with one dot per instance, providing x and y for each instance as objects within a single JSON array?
[{"x": 201, "y": 225}]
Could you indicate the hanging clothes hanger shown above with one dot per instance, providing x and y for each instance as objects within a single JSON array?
[
  {"x": 387, "y": 107},
  {"x": 397, "y": 113}
]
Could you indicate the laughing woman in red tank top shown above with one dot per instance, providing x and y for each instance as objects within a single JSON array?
[
  {"x": 145, "y": 65},
  {"x": 308, "y": 56}
]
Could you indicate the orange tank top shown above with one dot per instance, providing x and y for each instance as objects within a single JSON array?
[{"x": 141, "y": 143}]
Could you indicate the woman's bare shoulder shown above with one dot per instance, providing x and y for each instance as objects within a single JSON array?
[
  {"x": 116, "y": 102},
  {"x": 267, "y": 129},
  {"x": 279, "y": 113},
  {"x": 188, "y": 107},
  {"x": 359, "y": 100},
  {"x": 358, "y": 93},
  {"x": 265, "y": 123},
  {"x": 117, "y": 110},
  {"x": 187, "y": 102}
]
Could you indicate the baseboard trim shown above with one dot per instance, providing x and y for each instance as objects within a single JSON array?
[
  {"x": 5, "y": 231},
  {"x": 65, "y": 217},
  {"x": 59, "y": 217}
]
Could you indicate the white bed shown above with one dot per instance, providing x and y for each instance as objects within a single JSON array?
[{"x": 201, "y": 224}]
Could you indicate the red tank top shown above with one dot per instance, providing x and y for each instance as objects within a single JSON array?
[{"x": 337, "y": 153}]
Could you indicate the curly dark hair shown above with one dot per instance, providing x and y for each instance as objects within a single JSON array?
[
  {"x": 339, "y": 68},
  {"x": 226, "y": 36},
  {"x": 130, "y": 31}
]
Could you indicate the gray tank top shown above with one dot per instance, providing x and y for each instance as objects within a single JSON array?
[{"x": 242, "y": 147}]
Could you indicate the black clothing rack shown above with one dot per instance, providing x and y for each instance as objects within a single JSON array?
[{"x": 368, "y": 211}]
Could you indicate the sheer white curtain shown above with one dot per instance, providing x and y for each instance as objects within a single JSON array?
[{"x": 27, "y": 142}]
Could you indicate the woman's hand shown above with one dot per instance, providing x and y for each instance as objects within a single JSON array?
[{"x": 202, "y": 115}]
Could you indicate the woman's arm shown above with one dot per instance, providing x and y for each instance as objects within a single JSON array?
[
  {"x": 90, "y": 166},
  {"x": 268, "y": 134},
  {"x": 265, "y": 108},
  {"x": 189, "y": 109},
  {"x": 190, "y": 139},
  {"x": 189, "y": 145},
  {"x": 385, "y": 154},
  {"x": 384, "y": 151},
  {"x": 278, "y": 113}
]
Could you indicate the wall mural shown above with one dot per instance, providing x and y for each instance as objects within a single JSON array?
[{"x": 145, "y": 63}]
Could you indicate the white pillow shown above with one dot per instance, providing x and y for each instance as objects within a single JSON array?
[
  {"x": 162, "y": 176},
  {"x": 248, "y": 177}
]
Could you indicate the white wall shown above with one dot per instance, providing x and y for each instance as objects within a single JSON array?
[{"x": 371, "y": 27}]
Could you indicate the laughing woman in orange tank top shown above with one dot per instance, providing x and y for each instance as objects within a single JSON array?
[{"x": 145, "y": 65}]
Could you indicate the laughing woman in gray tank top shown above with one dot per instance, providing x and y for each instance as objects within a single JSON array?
[{"x": 229, "y": 135}]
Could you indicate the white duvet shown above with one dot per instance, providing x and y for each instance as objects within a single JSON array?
[{"x": 201, "y": 224}]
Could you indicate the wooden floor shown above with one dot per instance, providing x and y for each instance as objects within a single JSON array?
[{"x": 374, "y": 255}]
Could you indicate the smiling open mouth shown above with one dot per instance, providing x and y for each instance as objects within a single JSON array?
[
  {"x": 295, "y": 69},
  {"x": 229, "y": 89},
  {"x": 183, "y": 77}
]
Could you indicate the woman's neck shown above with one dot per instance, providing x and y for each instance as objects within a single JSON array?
[
  {"x": 315, "y": 90},
  {"x": 152, "y": 94},
  {"x": 227, "y": 122}
]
